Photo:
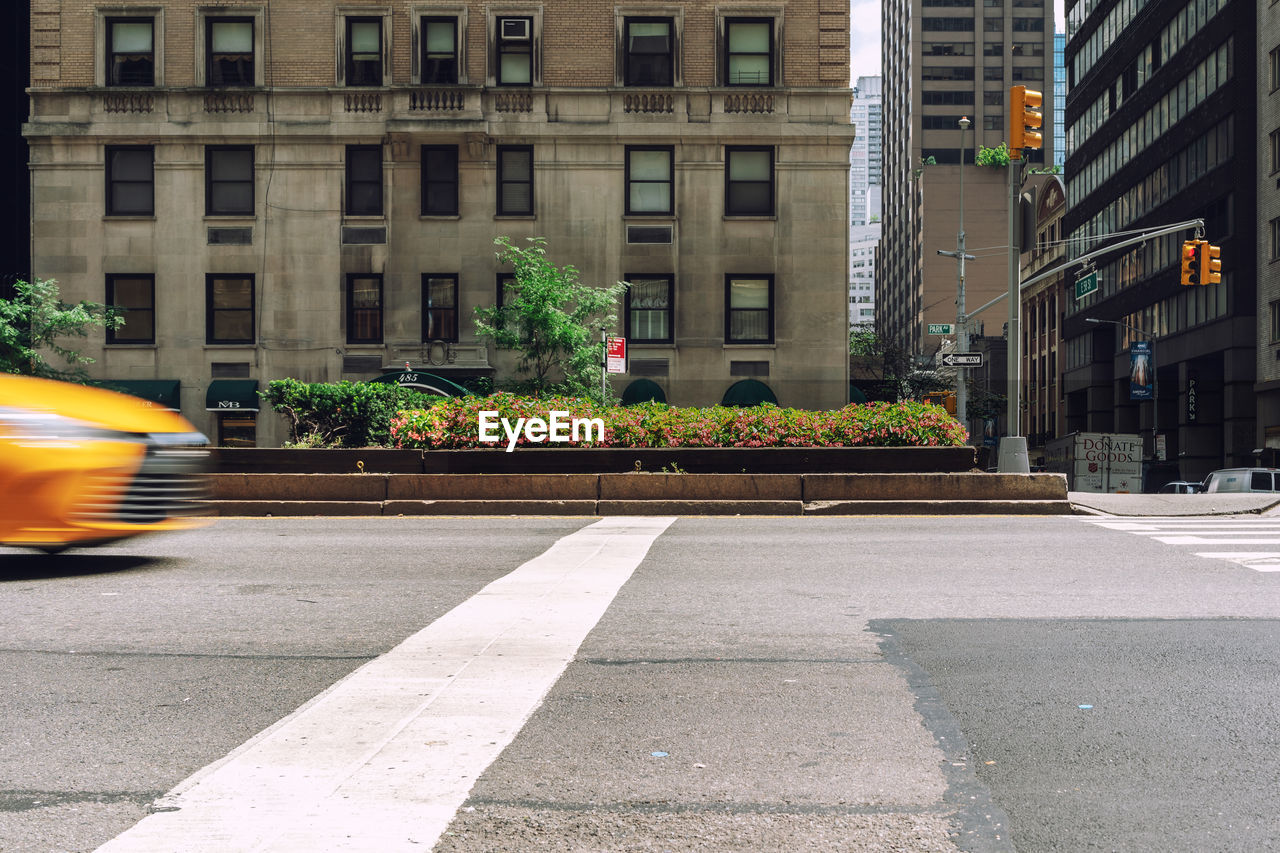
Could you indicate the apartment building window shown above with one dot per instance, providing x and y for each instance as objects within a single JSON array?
[
  {"x": 364, "y": 308},
  {"x": 1274, "y": 65},
  {"x": 228, "y": 180},
  {"x": 1275, "y": 322},
  {"x": 364, "y": 180},
  {"x": 229, "y": 309},
  {"x": 439, "y": 39},
  {"x": 131, "y": 58},
  {"x": 1275, "y": 150},
  {"x": 134, "y": 296},
  {"x": 515, "y": 180},
  {"x": 650, "y": 180},
  {"x": 649, "y": 308},
  {"x": 229, "y": 46},
  {"x": 363, "y": 52},
  {"x": 1275, "y": 239},
  {"x": 440, "y": 307},
  {"x": 439, "y": 180},
  {"x": 748, "y": 54},
  {"x": 748, "y": 309},
  {"x": 748, "y": 181},
  {"x": 515, "y": 51},
  {"x": 130, "y": 174},
  {"x": 649, "y": 55}
]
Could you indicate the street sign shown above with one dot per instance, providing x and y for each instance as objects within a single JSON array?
[
  {"x": 616, "y": 355},
  {"x": 941, "y": 329},
  {"x": 962, "y": 359},
  {"x": 1086, "y": 285}
]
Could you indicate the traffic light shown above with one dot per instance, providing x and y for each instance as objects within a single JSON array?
[
  {"x": 945, "y": 399},
  {"x": 1024, "y": 120},
  {"x": 1190, "y": 262},
  {"x": 1210, "y": 266}
]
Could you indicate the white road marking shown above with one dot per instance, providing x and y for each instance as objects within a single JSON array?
[
  {"x": 1214, "y": 540},
  {"x": 1262, "y": 561},
  {"x": 1201, "y": 530},
  {"x": 382, "y": 760}
]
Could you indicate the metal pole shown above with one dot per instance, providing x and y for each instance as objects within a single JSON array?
[
  {"x": 1014, "y": 427},
  {"x": 962, "y": 322},
  {"x": 604, "y": 367}
]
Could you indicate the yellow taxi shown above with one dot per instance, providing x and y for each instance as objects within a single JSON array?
[{"x": 82, "y": 466}]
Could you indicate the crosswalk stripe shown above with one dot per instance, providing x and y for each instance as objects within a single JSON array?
[
  {"x": 382, "y": 760},
  {"x": 1202, "y": 530}
]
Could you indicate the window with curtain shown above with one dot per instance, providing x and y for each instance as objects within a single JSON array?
[
  {"x": 229, "y": 309},
  {"x": 440, "y": 307},
  {"x": 229, "y": 43},
  {"x": 649, "y": 308},
  {"x": 439, "y": 50},
  {"x": 131, "y": 59},
  {"x": 364, "y": 52},
  {"x": 364, "y": 309},
  {"x": 649, "y": 57}
]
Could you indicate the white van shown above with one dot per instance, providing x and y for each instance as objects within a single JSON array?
[{"x": 1243, "y": 480}]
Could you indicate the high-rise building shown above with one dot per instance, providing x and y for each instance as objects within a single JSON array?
[
  {"x": 1162, "y": 127},
  {"x": 312, "y": 188},
  {"x": 944, "y": 60},
  {"x": 1267, "y": 232},
  {"x": 1058, "y": 121},
  {"x": 865, "y": 167},
  {"x": 15, "y": 242}
]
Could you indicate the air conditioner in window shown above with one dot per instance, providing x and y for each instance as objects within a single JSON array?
[{"x": 514, "y": 29}]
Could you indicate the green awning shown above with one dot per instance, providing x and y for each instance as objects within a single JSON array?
[
  {"x": 747, "y": 393},
  {"x": 232, "y": 395},
  {"x": 856, "y": 395},
  {"x": 165, "y": 393},
  {"x": 423, "y": 381},
  {"x": 643, "y": 391}
]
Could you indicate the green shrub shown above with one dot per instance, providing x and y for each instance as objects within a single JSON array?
[{"x": 342, "y": 414}]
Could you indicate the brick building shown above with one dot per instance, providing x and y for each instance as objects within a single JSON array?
[{"x": 312, "y": 189}]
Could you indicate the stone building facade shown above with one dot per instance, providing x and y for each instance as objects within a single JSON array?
[{"x": 312, "y": 189}]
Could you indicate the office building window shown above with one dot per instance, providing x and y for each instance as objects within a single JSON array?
[
  {"x": 364, "y": 308},
  {"x": 364, "y": 52},
  {"x": 1275, "y": 150},
  {"x": 364, "y": 180},
  {"x": 649, "y": 308},
  {"x": 439, "y": 180},
  {"x": 130, "y": 180},
  {"x": 515, "y": 51},
  {"x": 748, "y": 56},
  {"x": 131, "y": 58},
  {"x": 993, "y": 98},
  {"x": 1275, "y": 239},
  {"x": 1275, "y": 322},
  {"x": 515, "y": 180},
  {"x": 649, "y": 55},
  {"x": 229, "y": 309},
  {"x": 439, "y": 38},
  {"x": 748, "y": 181},
  {"x": 748, "y": 309},
  {"x": 228, "y": 180},
  {"x": 1274, "y": 64},
  {"x": 229, "y": 44},
  {"x": 440, "y": 307},
  {"x": 994, "y": 72},
  {"x": 649, "y": 179},
  {"x": 134, "y": 296}
]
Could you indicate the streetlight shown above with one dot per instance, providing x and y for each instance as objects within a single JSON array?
[
  {"x": 1155, "y": 378},
  {"x": 962, "y": 321}
]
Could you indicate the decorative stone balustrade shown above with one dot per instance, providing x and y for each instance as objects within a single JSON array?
[
  {"x": 363, "y": 102},
  {"x": 437, "y": 100},
  {"x": 648, "y": 102},
  {"x": 229, "y": 102},
  {"x": 748, "y": 102},
  {"x": 128, "y": 102}
]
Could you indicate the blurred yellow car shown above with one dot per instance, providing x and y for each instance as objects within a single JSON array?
[{"x": 82, "y": 466}]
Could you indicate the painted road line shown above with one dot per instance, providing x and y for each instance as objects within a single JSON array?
[
  {"x": 383, "y": 759},
  {"x": 1260, "y": 561},
  {"x": 1213, "y": 540}
]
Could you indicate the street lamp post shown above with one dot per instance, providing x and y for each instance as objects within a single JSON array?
[
  {"x": 1155, "y": 379},
  {"x": 962, "y": 322}
]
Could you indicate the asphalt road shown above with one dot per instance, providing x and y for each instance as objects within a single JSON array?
[{"x": 757, "y": 684}]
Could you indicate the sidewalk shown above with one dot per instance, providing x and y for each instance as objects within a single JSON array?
[{"x": 1166, "y": 505}]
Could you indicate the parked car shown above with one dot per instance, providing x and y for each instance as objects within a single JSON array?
[
  {"x": 82, "y": 466},
  {"x": 1179, "y": 487},
  {"x": 1243, "y": 480}
]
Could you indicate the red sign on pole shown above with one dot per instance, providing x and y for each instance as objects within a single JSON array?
[{"x": 616, "y": 355}]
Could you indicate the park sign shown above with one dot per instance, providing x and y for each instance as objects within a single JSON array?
[
  {"x": 1086, "y": 285},
  {"x": 941, "y": 329}
]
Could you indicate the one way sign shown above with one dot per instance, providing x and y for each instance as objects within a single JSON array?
[{"x": 962, "y": 359}]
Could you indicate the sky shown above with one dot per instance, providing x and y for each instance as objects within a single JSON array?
[{"x": 864, "y": 46}]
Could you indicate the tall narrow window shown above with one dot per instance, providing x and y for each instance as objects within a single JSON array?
[
  {"x": 131, "y": 58},
  {"x": 439, "y": 307},
  {"x": 439, "y": 180},
  {"x": 130, "y": 180},
  {"x": 649, "y": 55},
  {"x": 228, "y": 180},
  {"x": 748, "y": 309},
  {"x": 748, "y": 182},
  {"x": 515, "y": 51},
  {"x": 364, "y": 51},
  {"x": 229, "y": 43},
  {"x": 649, "y": 314},
  {"x": 515, "y": 180},
  {"x": 649, "y": 180},
  {"x": 229, "y": 309},
  {"x": 1275, "y": 322},
  {"x": 135, "y": 297},
  {"x": 748, "y": 52},
  {"x": 1275, "y": 150},
  {"x": 364, "y": 180},
  {"x": 439, "y": 50},
  {"x": 364, "y": 308}
]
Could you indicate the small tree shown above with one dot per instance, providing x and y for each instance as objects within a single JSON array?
[
  {"x": 34, "y": 321},
  {"x": 997, "y": 157},
  {"x": 551, "y": 319}
]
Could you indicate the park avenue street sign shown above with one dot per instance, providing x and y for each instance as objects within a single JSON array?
[
  {"x": 940, "y": 329},
  {"x": 1086, "y": 285},
  {"x": 962, "y": 359}
]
